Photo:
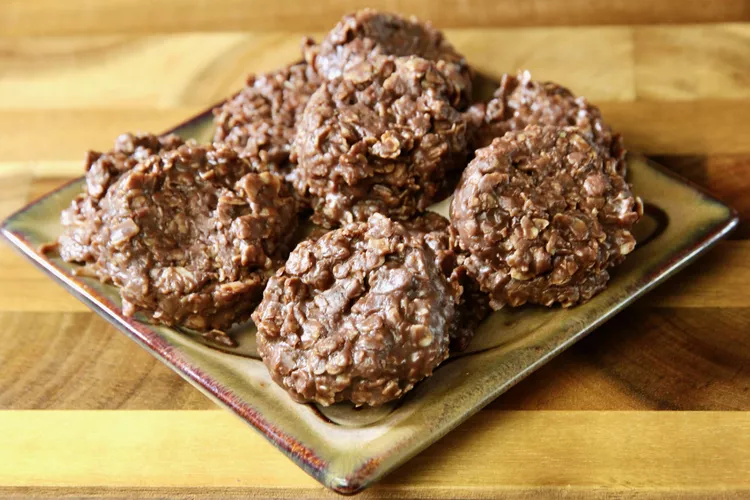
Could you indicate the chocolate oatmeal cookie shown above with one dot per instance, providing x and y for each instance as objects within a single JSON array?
[
  {"x": 83, "y": 218},
  {"x": 366, "y": 33},
  {"x": 543, "y": 214},
  {"x": 382, "y": 138},
  {"x": 261, "y": 120},
  {"x": 472, "y": 305},
  {"x": 360, "y": 314},
  {"x": 190, "y": 235},
  {"x": 521, "y": 101}
]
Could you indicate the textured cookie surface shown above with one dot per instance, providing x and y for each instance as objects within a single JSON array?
[
  {"x": 543, "y": 214},
  {"x": 360, "y": 314}
]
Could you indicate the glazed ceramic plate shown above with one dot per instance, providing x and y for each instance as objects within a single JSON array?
[{"x": 347, "y": 449}]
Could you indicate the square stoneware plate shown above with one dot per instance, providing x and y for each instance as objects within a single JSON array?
[{"x": 348, "y": 449}]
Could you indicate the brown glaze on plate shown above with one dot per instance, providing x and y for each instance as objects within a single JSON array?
[{"x": 347, "y": 449}]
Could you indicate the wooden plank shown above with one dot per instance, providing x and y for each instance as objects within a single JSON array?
[
  {"x": 383, "y": 492},
  {"x": 704, "y": 127},
  {"x": 718, "y": 279},
  {"x": 647, "y": 359},
  {"x": 39, "y": 172},
  {"x": 564, "y": 55},
  {"x": 707, "y": 120},
  {"x": 14, "y": 191},
  {"x": 78, "y": 360},
  {"x": 613, "y": 63},
  {"x": 44, "y": 17},
  {"x": 599, "y": 454},
  {"x": 36, "y": 295},
  {"x": 48, "y": 142},
  {"x": 691, "y": 62},
  {"x": 128, "y": 72},
  {"x": 726, "y": 176},
  {"x": 652, "y": 63}
]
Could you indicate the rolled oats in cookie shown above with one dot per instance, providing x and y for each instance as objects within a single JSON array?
[
  {"x": 83, "y": 218},
  {"x": 543, "y": 215},
  {"x": 382, "y": 138},
  {"x": 360, "y": 314},
  {"x": 366, "y": 33},
  {"x": 191, "y": 235},
  {"x": 521, "y": 101},
  {"x": 472, "y": 305},
  {"x": 434, "y": 229},
  {"x": 261, "y": 120}
]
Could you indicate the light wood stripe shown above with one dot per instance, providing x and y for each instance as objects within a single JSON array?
[
  {"x": 689, "y": 62},
  {"x": 38, "y": 294},
  {"x": 127, "y": 72},
  {"x": 643, "y": 452},
  {"x": 45, "y": 169},
  {"x": 60, "y": 137},
  {"x": 196, "y": 69},
  {"x": 35, "y": 17}
]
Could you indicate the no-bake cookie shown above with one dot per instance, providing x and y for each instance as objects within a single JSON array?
[
  {"x": 361, "y": 314},
  {"x": 381, "y": 138},
  {"x": 543, "y": 215}
]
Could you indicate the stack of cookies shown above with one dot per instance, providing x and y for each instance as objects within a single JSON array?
[{"x": 376, "y": 125}]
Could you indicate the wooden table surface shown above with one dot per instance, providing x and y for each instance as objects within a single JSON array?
[{"x": 656, "y": 403}]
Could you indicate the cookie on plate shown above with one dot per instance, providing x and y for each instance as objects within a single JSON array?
[
  {"x": 521, "y": 101},
  {"x": 261, "y": 120},
  {"x": 384, "y": 138},
  {"x": 361, "y": 314},
  {"x": 191, "y": 235},
  {"x": 472, "y": 305},
  {"x": 543, "y": 215},
  {"x": 82, "y": 219},
  {"x": 361, "y": 35}
]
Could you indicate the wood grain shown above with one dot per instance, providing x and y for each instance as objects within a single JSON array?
[
  {"x": 690, "y": 62},
  {"x": 14, "y": 191},
  {"x": 128, "y": 71},
  {"x": 52, "y": 143},
  {"x": 37, "y": 376},
  {"x": 681, "y": 128},
  {"x": 46, "y": 17},
  {"x": 725, "y": 175},
  {"x": 648, "y": 359},
  {"x": 682, "y": 347},
  {"x": 183, "y": 451}
]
